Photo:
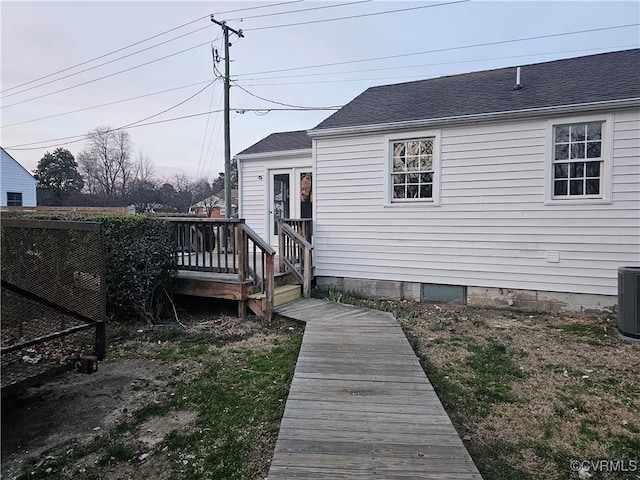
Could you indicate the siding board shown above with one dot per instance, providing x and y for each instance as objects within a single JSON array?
[{"x": 492, "y": 227}]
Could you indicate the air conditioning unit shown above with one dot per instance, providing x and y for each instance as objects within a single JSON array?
[{"x": 629, "y": 301}]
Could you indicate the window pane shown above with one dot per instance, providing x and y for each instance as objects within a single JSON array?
[
  {"x": 575, "y": 187},
  {"x": 577, "y": 170},
  {"x": 577, "y": 133},
  {"x": 398, "y": 165},
  {"x": 593, "y": 187},
  {"x": 398, "y": 191},
  {"x": 560, "y": 187},
  {"x": 593, "y": 169},
  {"x": 426, "y": 177},
  {"x": 561, "y": 170},
  {"x": 577, "y": 150},
  {"x": 426, "y": 163},
  {"x": 412, "y": 191},
  {"x": 413, "y": 178},
  {"x": 426, "y": 147},
  {"x": 593, "y": 150},
  {"x": 594, "y": 131},
  {"x": 397, "y": 179},
  {"x": 562, "y": 134},
  {"x": 562, "y": 152},
  {"x": 426, "y": 191},
  {"x": 412, "y": 164},
  {"x": 413, "y": 148},
  {"x": 398, "y": 150}
]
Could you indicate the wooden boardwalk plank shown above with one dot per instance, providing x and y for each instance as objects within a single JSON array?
[{"x": 360, "y": 405}]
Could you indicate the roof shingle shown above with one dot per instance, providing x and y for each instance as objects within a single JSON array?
[
  {"x": 280, "y": 142},
  {"x": 593, "y": 78}
]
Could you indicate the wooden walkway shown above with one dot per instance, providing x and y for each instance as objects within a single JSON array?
[{"x": 360, "y": 405}]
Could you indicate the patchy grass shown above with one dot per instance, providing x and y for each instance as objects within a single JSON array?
[
  {"x": 213, "y": 412},
  {"x": 529, "y": 392}
]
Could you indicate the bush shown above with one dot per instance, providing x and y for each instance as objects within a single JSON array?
[{"x": 140, "y": 264}]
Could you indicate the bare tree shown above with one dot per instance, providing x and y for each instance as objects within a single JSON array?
[{"x": 106, "y": 162}]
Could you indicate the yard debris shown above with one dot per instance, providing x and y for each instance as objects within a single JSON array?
[{"x": 31, "y": 360}]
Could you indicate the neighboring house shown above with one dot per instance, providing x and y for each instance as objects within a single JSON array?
[
  {"x": 214, "y": 206},
  {"x": 471, "y": 187},
  {"x": 17, "y": 185}
]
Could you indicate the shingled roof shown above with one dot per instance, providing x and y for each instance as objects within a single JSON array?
[
  {"x": 594, "y": 78},
  {"x": 280, "y": 142}
]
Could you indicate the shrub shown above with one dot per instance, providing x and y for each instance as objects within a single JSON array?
[{"x": 140, "y": 264}]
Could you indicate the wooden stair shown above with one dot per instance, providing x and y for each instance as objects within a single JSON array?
[{"x": 257, "y": 302}]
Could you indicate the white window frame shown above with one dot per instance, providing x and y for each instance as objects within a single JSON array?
[
  {"x": 389, "y": 201},
  {"x": 606, "y": 157}
]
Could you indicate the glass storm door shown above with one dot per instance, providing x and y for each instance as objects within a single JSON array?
[{"x": 280, "y": 201}]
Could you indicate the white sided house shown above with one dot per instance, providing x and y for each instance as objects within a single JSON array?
[
  {"x": 470, "y": 188},
  {"x": 17, "y": 185}
]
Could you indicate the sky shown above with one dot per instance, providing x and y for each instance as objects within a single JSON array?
[{"x": 70, "y": 67}]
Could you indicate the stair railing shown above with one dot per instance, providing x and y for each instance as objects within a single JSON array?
[
  {"x": 295, "y": 254},
  {"x": 256, "y": 259}
]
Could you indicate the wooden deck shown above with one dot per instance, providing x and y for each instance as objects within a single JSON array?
[{"x": 360, "y": 405}]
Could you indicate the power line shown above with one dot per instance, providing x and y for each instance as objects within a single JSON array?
[
  {"x": 79, "y": 138},
  {"x": 309, "y": 22},
  {"x": 448, "y": 49},
  {"x": 288, "y": 12},
  {"x": 145, "y": 40},
  {"x": 106, "y": 76},
  {"x": 105, "y": 104},
  {"x": 107, "y": 63},
  {"x": 184, "y": 117},
  {"x": 280, "y": 103},
  {"x": 456, "y": 62}
]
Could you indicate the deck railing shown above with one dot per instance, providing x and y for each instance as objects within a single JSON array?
[
  {"x": 206, "y": 245},
  {"x": 225, "y": 246},
  {"x": 304, "y": 227},
  {"x": 295, "y": 251}
]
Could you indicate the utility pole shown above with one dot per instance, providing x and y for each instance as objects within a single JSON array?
[{"x": 227, "y": 131}]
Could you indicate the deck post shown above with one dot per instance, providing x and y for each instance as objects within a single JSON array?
[
  {"x": 241, "y": 246},
  {"x": 281, "y": 252},
  {"x": 308, "y": 269},
  {"x": 269, "y": 287}
]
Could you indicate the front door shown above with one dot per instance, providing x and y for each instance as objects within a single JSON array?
[{"x": 290, "y": 196}]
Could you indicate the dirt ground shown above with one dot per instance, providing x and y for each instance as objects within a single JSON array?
[
  {"x": 44, "y": 424},
  {"x": 577, "y": 395}
]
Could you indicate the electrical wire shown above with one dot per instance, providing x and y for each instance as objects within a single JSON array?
[
  {"x": 146, "y": 40},
  {"x": 309, "y": 22},
  {"x": 79, "y": 138},
  {"x": 283, "y": 104},
  {"x": 456, "y": 62},
  {"x": 106, "y": 76},
  {"x": 105, "y": 104},
  {"x": 448, "y": 49},
  {"x": 184, "y": 117},
  {"x": 288, "y": 12},
  {"x": 109, "y": 62}
]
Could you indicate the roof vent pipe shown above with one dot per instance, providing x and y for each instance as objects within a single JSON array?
[{"x": 518, "y": 85}]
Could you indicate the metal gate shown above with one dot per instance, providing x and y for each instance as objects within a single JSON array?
[{"x": 53, "y": 299}]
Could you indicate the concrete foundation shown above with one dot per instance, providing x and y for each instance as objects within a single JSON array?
[{"x": 533, "y": 300}]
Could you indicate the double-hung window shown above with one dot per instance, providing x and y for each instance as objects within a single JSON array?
[
  {"x": 14, "y": 199},
  {"x": 412, "y": 169},
  {"x": 578, "y": 160}
]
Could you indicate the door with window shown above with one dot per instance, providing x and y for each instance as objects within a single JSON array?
[{"x": 290, "y": 196}]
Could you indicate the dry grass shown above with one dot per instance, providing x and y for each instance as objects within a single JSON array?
[{"x": 530, "y": 392}]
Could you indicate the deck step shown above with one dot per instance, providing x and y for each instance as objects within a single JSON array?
[{"x": 281, "y": 295}]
